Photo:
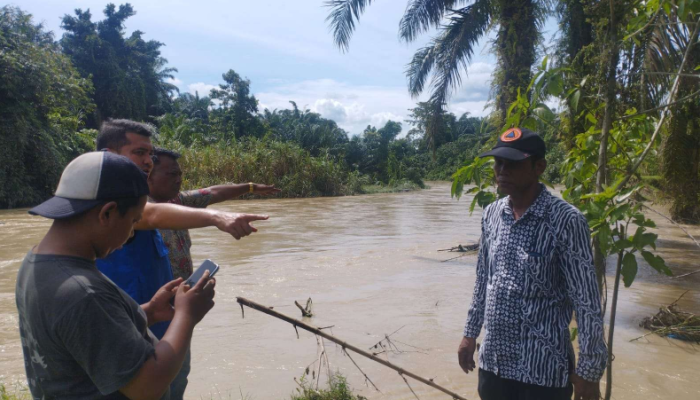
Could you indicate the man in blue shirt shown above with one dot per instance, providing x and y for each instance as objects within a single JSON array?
[
  {"x": 142, "y": 265},
  {"x": 535, "y": 269}
]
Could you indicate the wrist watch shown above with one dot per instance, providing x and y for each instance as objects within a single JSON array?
[{"x": 252, "y": 187}]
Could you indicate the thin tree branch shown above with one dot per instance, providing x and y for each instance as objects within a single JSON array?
[
  {"x": 670, "y": 73},
  {"x": 672, "y": 96},
  {"x": 409, "y": 386},
  {"x": 361, "y": 371},
  {"x": 344, "y": 345},
  {"x": 674, "y": 223},
  {"x": 690, "y": 96}
]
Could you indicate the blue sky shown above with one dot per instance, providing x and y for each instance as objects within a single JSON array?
[{"x": 286, "y": 50}]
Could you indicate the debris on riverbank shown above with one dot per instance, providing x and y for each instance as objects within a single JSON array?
[
  {"x": 674, "y": 323},
  {"x": 469, "y": 249}
]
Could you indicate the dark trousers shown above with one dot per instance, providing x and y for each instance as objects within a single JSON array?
[{"x": 493, "y": 387}]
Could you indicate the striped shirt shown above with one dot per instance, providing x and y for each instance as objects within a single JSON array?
[{"x": 531, "y": 275}]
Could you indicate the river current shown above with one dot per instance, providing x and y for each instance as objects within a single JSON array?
[{"x": 372, "y": 268}]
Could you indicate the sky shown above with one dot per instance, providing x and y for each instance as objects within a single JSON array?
[{"x": 286, "y": 50}]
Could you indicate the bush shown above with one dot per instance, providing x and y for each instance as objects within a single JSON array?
[
  {"x": 285, "y": 165},
  {"x": 338, "y": 389}
]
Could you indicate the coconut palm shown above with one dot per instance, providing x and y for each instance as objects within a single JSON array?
[
  {"x": 667, "y": 43},
  {"x": 461, "y": 25}
]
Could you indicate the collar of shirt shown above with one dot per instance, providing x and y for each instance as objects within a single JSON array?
[{"x": 538, "y": 208}]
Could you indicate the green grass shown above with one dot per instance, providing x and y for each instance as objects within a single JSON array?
[
  {"x": 338, "y": 389},
  {"x": 18, "y": 393}
]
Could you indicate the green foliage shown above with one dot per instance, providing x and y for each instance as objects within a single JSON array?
[
  {"x": 235, "y": 116},
  {"x": 480, "y": 174},
  {"x": 285, "y": 165},
  {"x": 128, "y": 73},
  {"x": 338, "y": 389},
  {"x": 43, "y": 102},
  {"x": 308, "y": 129}
]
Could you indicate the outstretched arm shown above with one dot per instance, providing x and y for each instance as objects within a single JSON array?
[
  {"x": 171, "y": 216},
  {"x": 221, "y": 193}
]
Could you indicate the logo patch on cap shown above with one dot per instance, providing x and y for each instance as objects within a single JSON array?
[{"x": 511, "y": 135}]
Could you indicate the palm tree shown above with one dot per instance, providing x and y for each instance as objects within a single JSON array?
[
  {"x": 449, "y": 53},
  {"x": 667, "y": 43}
]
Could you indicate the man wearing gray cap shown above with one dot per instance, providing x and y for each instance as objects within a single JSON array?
[
  {"x": 534, "y": 270},
  {"x": 83, "y": 337}
]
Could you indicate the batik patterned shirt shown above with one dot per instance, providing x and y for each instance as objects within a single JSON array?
[
  {"x": 179, "y": 242},
  {"x": 531, "y": 275}
]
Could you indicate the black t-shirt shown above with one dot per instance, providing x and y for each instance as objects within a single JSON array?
[{"x": 82, "y": 336}]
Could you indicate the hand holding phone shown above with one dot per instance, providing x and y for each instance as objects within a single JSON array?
[
  {"x": 207, "y": 265},
  {"x": 197, "y": 300}
]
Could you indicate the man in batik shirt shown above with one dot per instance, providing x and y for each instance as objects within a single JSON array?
[
  {"x": 535, "y": 269},
  {"x": 164, "y": 183}
]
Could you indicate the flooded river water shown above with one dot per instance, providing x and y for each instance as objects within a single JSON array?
[{"x": 371, "y": 266}]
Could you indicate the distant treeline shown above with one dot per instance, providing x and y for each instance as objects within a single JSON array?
[{"x": 55, "y": 93}]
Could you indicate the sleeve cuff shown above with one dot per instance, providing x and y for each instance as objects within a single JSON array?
[
  {"x": 472, "y": 332},
  {"x": 590, "y": 372}
]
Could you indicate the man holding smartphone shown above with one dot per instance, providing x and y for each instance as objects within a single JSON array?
[{"x": 82, "y": 336}]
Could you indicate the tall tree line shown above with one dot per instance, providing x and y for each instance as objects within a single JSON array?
[{"x": 129, "y": 74}]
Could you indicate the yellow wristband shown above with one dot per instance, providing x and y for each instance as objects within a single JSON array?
[{"x": 251, "y": 187}]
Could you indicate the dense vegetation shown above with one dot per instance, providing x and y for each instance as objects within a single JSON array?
[{"x": 54, "y": 94}]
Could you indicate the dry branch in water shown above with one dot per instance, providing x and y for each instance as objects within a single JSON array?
[
  {"x": 467, "y": 248},
  {"x": 305, "y": 311},
  {"x": 671, "y": 322},
  {"x": 346, "y": 346}
]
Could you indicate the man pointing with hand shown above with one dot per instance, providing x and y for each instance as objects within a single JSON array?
[{"x": 534, "y": 270}]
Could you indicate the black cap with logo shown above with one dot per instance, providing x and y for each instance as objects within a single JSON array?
[{"x": 517, "y": 144}]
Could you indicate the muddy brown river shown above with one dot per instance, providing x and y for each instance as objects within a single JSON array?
[{"x": 371, "y": 266}]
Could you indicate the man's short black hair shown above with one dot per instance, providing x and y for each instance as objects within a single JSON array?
[
  {"x": 124, "y": 204},
  {"x": 113, "y": 133},
  {"x": 161, "y": 152}
]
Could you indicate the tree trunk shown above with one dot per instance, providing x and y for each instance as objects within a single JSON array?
[
  {"x": 613, "y": 57},
  {"x": 578, "y": 34},
  {"x": 516, "y": 48},
  {"x": 680, "y": 153}
]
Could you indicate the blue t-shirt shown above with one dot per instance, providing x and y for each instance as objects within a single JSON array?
[{"x": 140, "y": 268}]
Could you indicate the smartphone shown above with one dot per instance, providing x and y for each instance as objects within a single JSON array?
[{"x": 207, "y": 265}]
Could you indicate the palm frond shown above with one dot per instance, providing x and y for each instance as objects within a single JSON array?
[
  {"x": 454, "y": 48},
  {"x": 419, "y": 69},
  {"x": 664, "y": 53},
  {"x": 421, "y": 15},
  {"x": 342, "y": 18}
]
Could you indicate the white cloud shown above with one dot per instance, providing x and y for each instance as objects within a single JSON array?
[
  {"x": 474, "y": 108},
  {"x": 200, "y": 87},
  {"x": 174, "y": 81},
  {"x": 476, "y": 84},
  {"x": 353, "y": 107}
]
